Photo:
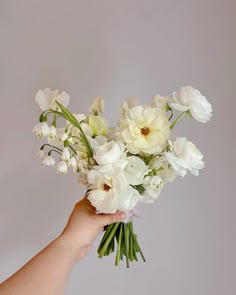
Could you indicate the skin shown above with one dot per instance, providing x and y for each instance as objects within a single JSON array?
[{"x": 48, "y": 272}]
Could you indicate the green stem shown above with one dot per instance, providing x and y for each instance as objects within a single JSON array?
[
  {"x": 46, "y": 144},
  {"x": 108, "y": 230},
  {"x": 126, "y": 245},
  {"x": 49, "y": 153},
  {"x": 178, "y": 119},
  {"x": 108, "y": 240},
  {"x": 136, "y": 243},
  {"x": 119, "y": 245}
]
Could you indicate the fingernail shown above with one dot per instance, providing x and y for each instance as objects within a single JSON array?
[{"x": 122, "y": 215}]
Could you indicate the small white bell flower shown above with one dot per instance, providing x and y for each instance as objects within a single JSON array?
[
  {"x": 62, "y": 167},
  {"x": 64, "y": 137},
  {"x": 49, "y": 161},
  {"x": 52, "y": 132},
  {"x": 41, "y": 130},
  {"x": 41, "y": 154},
  {"x": 65, "y": 155},
  {"x": 73, "y": 163}
]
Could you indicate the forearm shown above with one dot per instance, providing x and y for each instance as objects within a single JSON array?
[{"x": 47, "y": 273}]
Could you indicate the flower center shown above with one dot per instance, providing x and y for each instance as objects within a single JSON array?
[
  {"x": 145, "y": 131},
  {"x": 106, "y": 187}
]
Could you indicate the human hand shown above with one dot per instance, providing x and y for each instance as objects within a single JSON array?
[{"x": 84, "y": 226}]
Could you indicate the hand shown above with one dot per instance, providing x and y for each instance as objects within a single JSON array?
[{"x": 84, "y": 226}]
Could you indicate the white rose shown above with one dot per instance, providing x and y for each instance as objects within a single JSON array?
[
  {"x": 145, "y": 129},
  {"x": 110, "y": 190},
  {"x": 46, "y": 99},
  {"x": 135, "y": 170},
  {"x": 109, "y": 153},
  {"x": 184, "y": 156},
  {"x": 153, "y": 186},
  {"x": 190, "y": 99},
  {"x": 97, "y": 107}
]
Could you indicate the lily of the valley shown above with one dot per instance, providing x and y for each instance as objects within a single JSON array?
[
  {"x": 41, "y": 130},
  {"x": 49, "y": 161},
  {"x": 62, "y": 167}
]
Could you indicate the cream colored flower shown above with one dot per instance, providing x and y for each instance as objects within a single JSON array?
[
  {"x": 98, "y": 124},
  {"x": 145, "y": 129},
  {"x": 97, "y": 107},
  {"x": 161, "y": 102},
  {"x": 46, "y": 99}
]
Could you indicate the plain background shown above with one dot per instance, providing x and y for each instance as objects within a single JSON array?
[{"x": 118, "y": 49}]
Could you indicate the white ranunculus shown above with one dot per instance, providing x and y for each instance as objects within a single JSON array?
[
  {"x": 161, "y": 102},
  {"x": 65, "y": 156},
  {"x": 135, "y": 170},
  {"x": 41, "y": 130},
  {"x": 184, "y": 156},
  {"x": 110, "y": 190},
  {"x": 153, "y": 186},
  {"x": 97, "y": 107},
  {"x": 46, "y": 99},
  {"x": 109, "y": 153},
  {"x": 49, "y": 161},
  {"x": 190, "y": 99},
  {"x": 145, "y": 129},
  {"x": 62, "y": 167}
]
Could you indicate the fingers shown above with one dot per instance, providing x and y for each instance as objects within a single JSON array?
[{"x": 107, "y": 219}]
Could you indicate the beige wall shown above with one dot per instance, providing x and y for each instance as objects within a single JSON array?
[{"x": 118, "y": 49}]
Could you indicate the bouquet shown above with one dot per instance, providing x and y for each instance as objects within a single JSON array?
[{"x": 123, "y": 165}]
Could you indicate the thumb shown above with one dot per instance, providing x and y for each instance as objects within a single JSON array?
[{"x": 107, "y": 219}]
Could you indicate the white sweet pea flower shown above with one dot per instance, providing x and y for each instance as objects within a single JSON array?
[
  {"x": 110, "y": 190},
  {"x": 41, "y": 154},
  {"x": 130, "y": 103},
  {"x": 52, "y": 132},
  {"x": 184, "y": 156},
  {"x": 190, "y": 99},
  {"x": 153, "y": 186},
  {"x": 145, "y": 129},
  {"x": 161, "y": 102},
  {"x": 98, "y": 124},
  {"x": 97, "y": 107},
  {"x": 49, "y": 161},
  {"x": 109, "y": 153},
  {"x": 41, "y": 130},
  {"x": 65, "y": 156},
  {"x": 135, "y": 170},
  {"x": 46, "y": 99},
  {"x": 62, "y": 167}
]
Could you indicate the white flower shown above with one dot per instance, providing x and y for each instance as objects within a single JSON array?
[
  {"x": 135, "y": 170},
  {"x": 62, "y": 167},
  {"x": 130, "y": 103},
  {"x": 80, "y": 117},
  {"x": 109, "y": 153},
  {"x": 49, "y": 161},
  {"x": 97, "y": 107},
  {"x": 41, "y": 130},
  {"x": 64, "y": 136},
  {"x": 98, "y": 124},
  {"x": 65, "y": 156},
  {"x": 41, "y": 154},
  {"x": 153, "y": 186},
  {"x": 46, "y": 99},
  {"x": 145, "y": 129},
  {"x": 161, "y": 102},
  {"x": 52, "y": 132},
  {"x": 72, "y": 163},
  {"x": 189, "y": 98},
  {"x": 110, "y": 190},
  {"x": 161, "y": 167},
  {"x": 184, "y": 156}
]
